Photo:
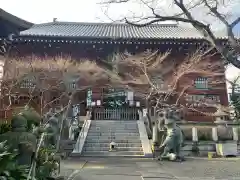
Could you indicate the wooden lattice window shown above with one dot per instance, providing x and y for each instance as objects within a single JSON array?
[
  {"x": 72, "y": 83},
  {"x": 15, "y": 99},
  {"x": 201, "y": 83},
  {"x": 27, "y": 83},
  {"x": 199, "y": 100}
]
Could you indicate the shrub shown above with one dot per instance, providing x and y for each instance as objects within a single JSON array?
[
  {"x": 9, "y": 168},
  {"x": 47, "y": 164},
  {"x": 5, "y": 128},
  {"x": 204, "y": 133},
  {"x": 33, "y": 118},
  {"x": 187, "y": 133},
  {"x": 225, "y": 133}
]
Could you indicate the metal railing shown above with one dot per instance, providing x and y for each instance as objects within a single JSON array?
[{"x": 115, "y": 114}]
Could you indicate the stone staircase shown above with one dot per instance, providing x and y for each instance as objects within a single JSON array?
[{"x": 102, "y": 132}]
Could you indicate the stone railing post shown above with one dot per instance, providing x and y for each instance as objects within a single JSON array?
[
  {"x": 194, "y": 134},
  {"x": 214, "y": 134},
  {"x": 140, "y": 114},
  {"x": 155, "y": 131},
  {"x": 235, "y": 133}
]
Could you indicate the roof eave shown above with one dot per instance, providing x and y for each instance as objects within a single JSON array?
[{"x": 15, "y": 20}]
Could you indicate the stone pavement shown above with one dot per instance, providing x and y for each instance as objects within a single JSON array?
[
  {"x": 200, "y": 168},
  {"x": 112, "y": 168}
]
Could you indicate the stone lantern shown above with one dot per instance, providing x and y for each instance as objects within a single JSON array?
[
  {"x": 220, "y": 117},
  {"x": 224, "y": 135},
  {"x": 223, "y": 132}
]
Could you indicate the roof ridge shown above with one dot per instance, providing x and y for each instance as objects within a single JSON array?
[{"x": 102, "y": 24}]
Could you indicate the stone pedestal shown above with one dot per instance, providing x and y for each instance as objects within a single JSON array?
[{"x": 226, "y": 149}]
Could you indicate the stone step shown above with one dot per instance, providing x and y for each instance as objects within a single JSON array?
[
  {"x": 113, "y": 134},
  {"x": 92, "y": 141},
  {"x": 113, "y": 128},
  {"x": 108, "y": 123},
  {"x": 107, "y": 144},
  {"x": 122, "y": 149},
  {"x": 115, "y": 125},
  {"x": 114, "y": 121},
  {"x": 107, "y": 153},
  {"x": 102, "y": 133},
  {"x": 124, "y": 137}
]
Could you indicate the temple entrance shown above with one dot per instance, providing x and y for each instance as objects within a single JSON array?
[
  {"x": 122, "y": 114},
  {"x": 116, "y": 105},
  {"x": 114, "y": 99}
]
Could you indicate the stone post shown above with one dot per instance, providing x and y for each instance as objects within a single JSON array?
[
  {"x": 235, "y": 133},
  {"x": 155, "y": 134},
  {"x": 194, "y": 134},
  {"x": 214, "y": 134},
  {"x": 140, "y": 115}
]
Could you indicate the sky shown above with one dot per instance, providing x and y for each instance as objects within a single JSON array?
[
  {"x": 91, "y": 11},
  {"x": 71, "y": 10}
]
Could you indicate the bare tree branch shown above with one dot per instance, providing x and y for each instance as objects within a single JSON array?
[{"x": 230, "y": 55}]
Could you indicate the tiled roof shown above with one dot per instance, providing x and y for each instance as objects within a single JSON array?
[
  {"x": 111, "y": 31},
  {"x": 15, "y": 20}
]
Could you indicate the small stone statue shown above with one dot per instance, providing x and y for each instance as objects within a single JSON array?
[
  {"x": 18, "y": 138},
  {"x": 174, "y": 138}
]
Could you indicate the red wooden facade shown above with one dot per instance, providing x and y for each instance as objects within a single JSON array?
[{"x": 97, "y": 48}]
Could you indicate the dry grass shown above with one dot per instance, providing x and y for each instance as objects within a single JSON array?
[{"x": 88, "y": 71}]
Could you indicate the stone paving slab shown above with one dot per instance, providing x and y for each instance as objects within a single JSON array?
[
  {"x": 203, "y": 169},
  {"x": 84, "y": 176},
  {"x": 148, "y": 169}
]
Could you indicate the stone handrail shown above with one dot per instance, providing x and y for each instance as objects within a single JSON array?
[
  {"x": 216, "y": 128},
  {"x": 213, "y": 124},
  {"x": 82, "y": 134}
]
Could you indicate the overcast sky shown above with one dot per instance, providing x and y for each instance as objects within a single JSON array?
[{"x": 90, "y": 11}]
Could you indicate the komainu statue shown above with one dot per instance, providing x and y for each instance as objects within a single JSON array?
[
  {"x": 53, "y": 130},
  {"x": 19, "y": 138},
  {"x": 172, "y": 144}
]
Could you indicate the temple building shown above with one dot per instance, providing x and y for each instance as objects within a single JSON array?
[
  {"x": 98, "y": 41},
  {"x": 10, "y": 26}
]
